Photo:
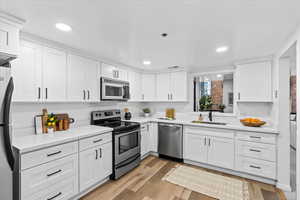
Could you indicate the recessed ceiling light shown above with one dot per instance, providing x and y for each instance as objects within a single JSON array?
[
  {"x": 63, "y": 27},
  {"x": 147, "y": 62},
  {"x": 219, "y": 75},
  {"x": 222, "y": 49}
]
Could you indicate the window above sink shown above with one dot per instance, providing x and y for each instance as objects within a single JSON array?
[{"x": 214, "y": 91}]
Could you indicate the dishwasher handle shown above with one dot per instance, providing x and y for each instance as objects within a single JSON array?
[{"x": 170, "y": 125}]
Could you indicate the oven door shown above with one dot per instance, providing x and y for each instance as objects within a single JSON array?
[
  {"x": 111, "y": 91},
  {"x": 127, "y": 145}
]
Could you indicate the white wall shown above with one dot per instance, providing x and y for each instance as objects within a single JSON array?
[{"x": 283, "y": 156}]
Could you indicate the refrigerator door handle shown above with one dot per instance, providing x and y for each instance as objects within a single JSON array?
[{"x": 6, "y": 123}]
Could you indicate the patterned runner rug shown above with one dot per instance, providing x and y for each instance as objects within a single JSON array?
[{"x": 213, "y": 185}]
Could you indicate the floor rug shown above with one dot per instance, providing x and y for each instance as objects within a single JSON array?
[{"x": 210, "y": 184}]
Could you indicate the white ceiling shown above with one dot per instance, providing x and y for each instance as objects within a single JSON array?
[{"x": 128, "y": 31}]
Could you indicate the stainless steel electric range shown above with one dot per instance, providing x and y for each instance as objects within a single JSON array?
[{"x": 126, "y": 140}]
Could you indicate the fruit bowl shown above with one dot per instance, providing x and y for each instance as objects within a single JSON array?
[{"x": 252, "y": 122}]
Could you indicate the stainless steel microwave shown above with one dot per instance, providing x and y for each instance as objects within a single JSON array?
[{"x": 114, "y": 90}]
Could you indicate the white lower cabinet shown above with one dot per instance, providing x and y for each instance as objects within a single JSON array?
[
  {"x": 221, "y": 152},
  {"x": 61, "y": 172},
  {"x": 145, "y": 139},
  {"x": 95, "y": 165},
  {"x": 201, "y": 146},
  {"x": 153, "y": 134},
  {"x": 54, "y": 179},
  {"x": 195, "y": 148}
]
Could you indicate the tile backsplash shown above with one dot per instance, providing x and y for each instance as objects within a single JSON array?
[{"x": 23, "y": 113}]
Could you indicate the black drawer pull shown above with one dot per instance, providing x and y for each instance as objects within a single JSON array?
[
  {"x": 53, "y": 173},
  {"x": 95, "y": 141},
  {"x": 55, "y": 196},
  {"x": 255, "y": 137},
  {"x": 52, "y": 154},
  {"x": 255, "y": 167},
  {"x": 254, "y": 150}
]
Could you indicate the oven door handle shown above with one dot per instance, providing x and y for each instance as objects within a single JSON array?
[
  {"x": 128, "y": 161},
  {"x": 118, "y": 133}
]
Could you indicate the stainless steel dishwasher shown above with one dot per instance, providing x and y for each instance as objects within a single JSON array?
[{"x": 170, "y": 139}]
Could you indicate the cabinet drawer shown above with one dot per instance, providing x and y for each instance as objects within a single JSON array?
[
  {"x": 256, "y": 137},
  {"x": 45, "y": 155},
  {"x": 63, "y": 190},
  {"x": 94, "y": 141},
  {"x": 257, "y": 150},
  {"x": 208, "y": 132},
  {"x": 38, "y": 178},
  {"x": 256, "y": 167}
]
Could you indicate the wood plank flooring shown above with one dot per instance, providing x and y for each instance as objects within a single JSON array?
[{"x": 144, "y": 183}]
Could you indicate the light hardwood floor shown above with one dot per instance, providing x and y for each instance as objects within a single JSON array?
[{"x": 144, "y": 183}]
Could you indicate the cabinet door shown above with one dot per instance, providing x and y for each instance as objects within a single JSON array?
[
  {"x": 178, "y": 85},
  {"x": 195, "y": 147},
  {"x": 148, "y": 87},
  {"x": 134, "y": 79},
  {"x": 104, "y": 162},
  {"x": 153, "y": 133},
  {"x": 144, "y": 139},
  {"x": 92, "y": 79},
  {"x": 163, "y": 87},
  {"x": 254, "y": 82},
  {"x": 89, "y": 167},
  {"x": 54, "y": 74},
  {"x": 221, "y": 152},
  {"x": 108, "y": 70},
  {"x": 76, "y": 78},
  {"x": 27, "y": 72},
  {"x": 9, "y": 39}
]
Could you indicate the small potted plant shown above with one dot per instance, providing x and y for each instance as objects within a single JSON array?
[
  {"x": 51, "y": 123},
  {"x": 147, "y": 112}
]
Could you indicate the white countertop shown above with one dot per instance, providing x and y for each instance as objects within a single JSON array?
[
  {"x": 240, "y": 127},
  {"x": 33, "y": 142}
]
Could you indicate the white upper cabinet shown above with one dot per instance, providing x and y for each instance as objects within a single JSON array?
[
  {"x": 54, "y": 75},
  {"x": 9, "y": 34},
  {"x": 254, "y": 82},
  {"x": 148, "y": 87},
  {"x": 163, "y": 87},
  {"x": 83, "y": 79},
  {"x": 110, "y": 71},
  {"x": 178, "y": 86},
  {"x": 27, "y": 72},
  {"x": 171, "y": 86},
  {"x": 134, "y": 79}
]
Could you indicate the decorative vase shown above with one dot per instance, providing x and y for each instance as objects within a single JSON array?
[{"x": 50, "y": 130}]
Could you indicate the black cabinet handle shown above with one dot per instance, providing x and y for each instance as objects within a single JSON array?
[
  {"x": 46, "y": 90},
  {"x": 255, "y": 137},
  {"x": 96, "y": 154},
  {"x": 52, "y": 154},
  {"x": 254, "y": 150},
  {"x": 53, "y": 173},
  {"x": 55, "y": 196},
  {"x": 96, "y": 141},
  {"x": 239, "y": 96},
  {"x": 88, "y": 94},
  {"x": 83, "y": 94},
  {"x": 255, "y": 167},
  {"x": 100, "y": 150},
  {"x": 39, "y": 93}
]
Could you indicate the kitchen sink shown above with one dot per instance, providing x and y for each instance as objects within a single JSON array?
[{"x": 207, "y": 122}]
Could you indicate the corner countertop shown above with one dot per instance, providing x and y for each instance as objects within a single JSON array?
[
  {"x": 29, "y": 143},
  {"x": 238, "y": 127}
]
